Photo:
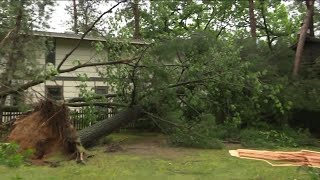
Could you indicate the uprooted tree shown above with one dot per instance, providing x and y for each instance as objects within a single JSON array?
[
  {"x": 47, "y": 127},
  {"x": 195, "y": 81},
  {"x": 48, "y": 130}
]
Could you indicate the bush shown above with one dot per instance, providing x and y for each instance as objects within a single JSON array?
[
  {"x": 10, "y": 155},
  {"x": 199, "y": 135},
  {"x": 286, "y": 137},
  {"x": 302, "y": 137}
]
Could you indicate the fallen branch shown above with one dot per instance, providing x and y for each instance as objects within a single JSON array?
[
  {"x": 81, "y": 99},
  {"x": 5, "y": 39},
  {"x": 163, "y": 120},
  {"x": 104, "y": 104},
  {"x": 96, "y": 64},
  {"x": 6, "y": 90}
]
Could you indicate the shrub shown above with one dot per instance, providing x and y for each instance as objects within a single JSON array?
[
  {"x": 10, "y": 155},
  {"x": 198, "y": 135},
  {"x": 285, "y": 137}
]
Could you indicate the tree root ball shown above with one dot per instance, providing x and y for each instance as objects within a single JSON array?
[{"x": 46, "y": 130}]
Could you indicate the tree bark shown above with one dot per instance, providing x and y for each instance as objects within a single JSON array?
[
  {"x": 252, "y": 20},
  {"x": 302, "y": 37},
  {"x": 14, "y": 54},
  {"x": 90, "y": 134},
  {"x": 101, "y": 104},
  {"x": 75, "y": 17},
  {"x": 136, "y": 14},
  {"x": 311, "y": 27}
]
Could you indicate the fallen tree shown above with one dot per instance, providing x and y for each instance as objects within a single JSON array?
[{"x": 102, "y": 128}]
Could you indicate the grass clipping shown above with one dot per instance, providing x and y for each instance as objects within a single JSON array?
[{"x": 47, "y": 130}]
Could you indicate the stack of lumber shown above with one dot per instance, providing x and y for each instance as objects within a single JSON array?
[{"x": 280, "y": 158}]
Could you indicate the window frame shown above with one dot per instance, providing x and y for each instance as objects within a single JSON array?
[
  {"x": 51, "y": 52},
  {"x": 97, "y": 88},
  {"x": 47, "y": 87},
  {"x": 15, "y": 98}
]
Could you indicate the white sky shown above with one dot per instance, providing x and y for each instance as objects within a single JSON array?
[{"x": 59, "y": 17}]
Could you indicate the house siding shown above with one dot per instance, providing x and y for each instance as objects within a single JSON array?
[
  {"x": 310, "y": 66},
  {"x": 84, "y": 53}
]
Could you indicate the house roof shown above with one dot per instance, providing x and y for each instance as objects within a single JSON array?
[
  {"x": 308, "y": 40},
  {"x": 70, "y": 35}
]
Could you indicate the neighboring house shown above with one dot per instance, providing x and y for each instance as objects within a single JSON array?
[
  {"x": 66, "y": 85},
  {"x": 310, "y": 62}
]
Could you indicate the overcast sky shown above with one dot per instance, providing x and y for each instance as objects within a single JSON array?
[{"x": 60, "y": 17}]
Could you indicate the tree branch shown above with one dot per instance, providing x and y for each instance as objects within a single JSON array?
[
  {"x": 271, "y": 32},
  {"x": 96, "y": 64},
  {"x": 133, "y": 80},
  {"x": 198, "y": 81},
  {"x": 6, "y": 91},
  {"x": 104, "y": 104},
  {"x": 6, "y": 38},
  {"x": 84, "y": 34},
  {"x": 161, "y": 119},
  {"x": 188, "y": 82},
  {"x": 81, "y": 99},
  {"x": 211, "y": 18},
  {"x": 266, "y": 27}
]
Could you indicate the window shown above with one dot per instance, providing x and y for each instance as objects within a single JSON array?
[
  {"x": 102, "y": 90},
  {"x": 51, "y": 51},
  {"x": 16, "y": 98},
  {"x": 54, "y": 92}
]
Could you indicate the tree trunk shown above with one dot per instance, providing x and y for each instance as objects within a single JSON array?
[
  {"x": 311, "y": 27},
  {"x": 252, "y": 20},
  {"x": 102, "y": 128},
  {"x": 302, "y": 37},
  {"x": 136, "y": 14},
  {"x": 14, "y": 54},
  {"x": 75, "y": 17}
]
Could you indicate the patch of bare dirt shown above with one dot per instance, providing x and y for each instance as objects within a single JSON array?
[
  {"x": 156, "y": 147},
  {"x": 233, "y": 146}
]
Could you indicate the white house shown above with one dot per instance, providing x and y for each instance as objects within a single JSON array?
[{"x": 65, "y": 86}]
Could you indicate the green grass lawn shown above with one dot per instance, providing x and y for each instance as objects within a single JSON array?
[{"x": 151, "y": 159}]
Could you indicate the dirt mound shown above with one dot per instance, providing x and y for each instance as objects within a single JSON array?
[{"x": 46, "y": 130}]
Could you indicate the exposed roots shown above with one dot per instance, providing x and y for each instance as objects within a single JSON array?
[{"x": 47, "y": 130}]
